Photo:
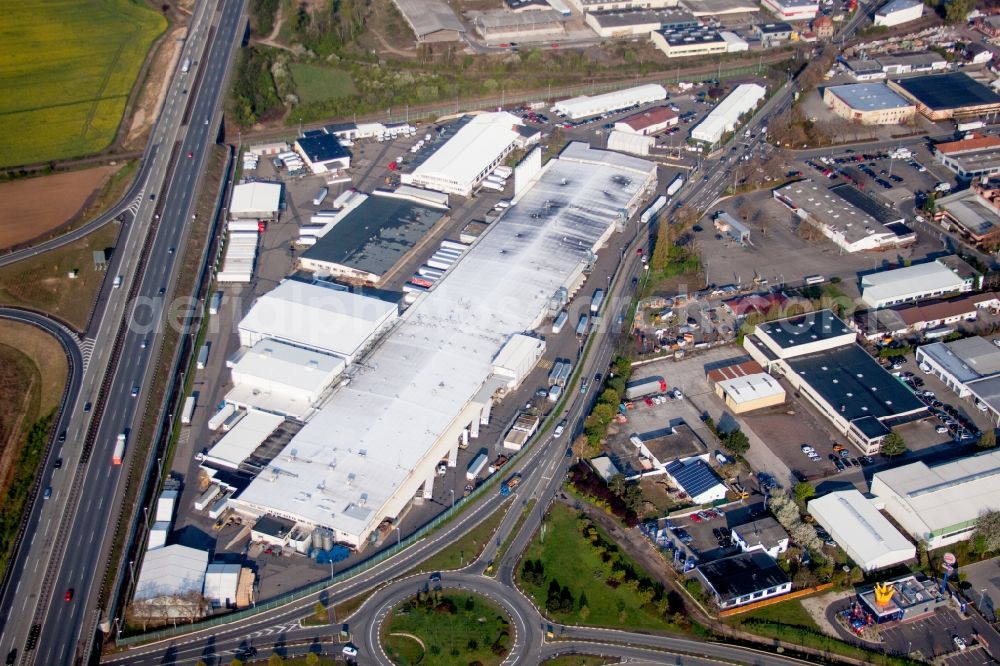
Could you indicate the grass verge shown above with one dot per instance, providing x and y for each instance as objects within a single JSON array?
[
  {"x": 14, "y": 500},
  {"x": 316, "y": 83},
  {"x": 580, "y": 660},
  {"x": 464, "y": 550},
  {"x": 42, "y": 282},
  {"x": 448, "y": 628},
  {"x": 525, "y": 512}
]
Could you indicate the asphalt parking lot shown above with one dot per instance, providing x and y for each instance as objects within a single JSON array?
[
  {"x": 984, "y": 585},
  {"x": 933, "y": 637}
]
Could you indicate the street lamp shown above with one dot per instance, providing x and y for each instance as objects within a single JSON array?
[{"x": 452, "y": 491}]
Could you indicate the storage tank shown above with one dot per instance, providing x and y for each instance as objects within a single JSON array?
[
  {"x": 327, "y": 540},
  {"x": 317, "y": 538}
]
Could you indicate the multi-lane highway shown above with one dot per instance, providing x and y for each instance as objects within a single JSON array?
[{"x": 55, "y": 577}]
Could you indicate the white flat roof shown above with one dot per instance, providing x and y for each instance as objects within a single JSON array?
[
  {"x": 373, "y": 434},
  {"x": 945, "y": 495},
  {"x": 221, "y": 581},
  {"x": 237, "y": 444},
  {"x": 904, "y": 282},
  {"x": 256, "y": 198},
  {"x": 339, "y": 322},
  {"x": 860, "y": 529},
  {"x": 751, "y": 387},
  {"x": 171, "y": 571},
  {"x": 590, "y": 105},
  {"x": 473, "y": 148},
  {"x": 284, "y": 364}
]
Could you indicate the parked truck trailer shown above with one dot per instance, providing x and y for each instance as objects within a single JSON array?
[
  {"x": 188, "y": 411},
  {"x": 643, "y": 387}
]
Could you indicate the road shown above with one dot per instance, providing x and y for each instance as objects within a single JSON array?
[{"x": 68, "y": 547}]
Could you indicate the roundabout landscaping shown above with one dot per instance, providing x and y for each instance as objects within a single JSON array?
[{"x": 447, "y": 627}]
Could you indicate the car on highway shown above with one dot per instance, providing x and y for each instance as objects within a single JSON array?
[
  {"x": 62, "y": 436},
  {"x": 135, "y": 391},
  {"x": 69, "y": 595},
  {"x": 435, "y": 577},
  {"x": 12, "y": 657},
  {"x": 190, "y": 154},
  {"x": 557, "y": 433},
  {"x": 86, "y": 406},
  {"x": 58, "y": 463},
  {"x": 143, "y": 344},
  {"x": 350, "y": 651},
  {"x": 48, "y": 493},
  {"x": 170, "y": 250}
]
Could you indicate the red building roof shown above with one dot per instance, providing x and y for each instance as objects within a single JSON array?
[{"x": 641, "y": 121}]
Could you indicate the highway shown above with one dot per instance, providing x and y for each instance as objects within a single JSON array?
[{"x": 67, "y": 548}]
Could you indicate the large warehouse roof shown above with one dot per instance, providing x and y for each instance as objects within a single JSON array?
[
  {"x": 256, "y": 197},
  {"x": 171, "y": 571},
  {"x": 857, "y": 526},
  {"x": 471, "y": 151},
  {"x": 586, "y": 105},
  {"x": 868, "y": 96},
  {"x": 724, "y": 117},
  {"x": 901, "y": 283},
  {"x": 944, "y": 495},
  {"x": 313, "y": 316},
  {"x": 358, "y": 456},
  {"x": 948, "y": 91},
  {"x": 429, "y": 16},
  {"x": 249, "y": 433}
]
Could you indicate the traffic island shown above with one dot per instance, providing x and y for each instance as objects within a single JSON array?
[{"x": 447, "y": 627}]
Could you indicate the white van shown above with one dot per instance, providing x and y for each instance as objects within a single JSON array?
[{"x": 118, "y": 281}]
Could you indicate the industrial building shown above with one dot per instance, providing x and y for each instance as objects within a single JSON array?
[
  {"x": 627, "y": 142},
  {"x": 228, "y": 585},
  {"x": 255, "y": 201},
  {"x": 431, "y": 20},
  {"x": 848, "y": 217},
  {"x": 586, "y": 106},
  {"x": 930, "y": 318},
  {"x": 960, "y": 364},
  {"x": 771, "y": 34},
  {"x": 750, "y": 392},
  {"x": 765, "y": 535},
  {"x": 371, "y": 239},
  {"x": 500, "y": 24},
  {"x": 468, "y": 157},
  {"x": 586, "y": 6},
  {"x": 239, "y": 258},
  {"x": 684, "y": 42},
  {"x": 628, "y": 23},
  {"x": 242, "y": 439},
  {"x": 650, "y": 121},
  {"x": 945, "y": 96},
  {"x": 431, "y": 383},
  {"x": 280, "y": 378},
  {"x": 867, "y": 537},
  {"x": 169, "y": 584},
  {"x": 793, "y": 10},
  {"x": 909, "y": 62},
  {"x": 898, "y": 12},
  {"x": 743, "y": 579},
  {"x": 726, "y": 115},
  {"x": 315, "y": 317},
  {"x": 944, "y": 275},
  {"x": 697, "y": 479},
  {"x": 729, "y": 226},
  {"x": 866, "y": 69},
  {"x": 970, "y": 158},
  {"x": 868, "y": 104},
  {"x": 974, "y": 214},
  {"x": 939, "y": 504},
  {"x": 322, "y": 153},
  {"x": 817, "y": 355}
]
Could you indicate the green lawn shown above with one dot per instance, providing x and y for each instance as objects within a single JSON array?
[
  {"x": 456, "y": 628},
  {"x": 790, "y": 613},
  {"x": 573, "y": 561},
  {"x": 466, "y": 549},
  {"x": 67, "y": 69},
  {"x": 315, "y": 83}
]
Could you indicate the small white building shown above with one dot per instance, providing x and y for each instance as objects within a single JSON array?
[
  {"x": 697, "y": 479},
  {"x": 743, "y": 579},
  {"x": 793, "y": 10},
  {"x": 648, "y": 122},
  {"x": 961, "y": 363},
  {"x": 940, "y": 504},
  {"x": 277, "y": 377},
  {"x": 330, "y": 321},
  {"x": 765, "y": 535},
  {"x": 255, "y": 201},
  {"x": 171, "y": 571},
  {"x": 866, "y": 535},
  {"x": 725, "y": 117},
  {"x": 323, "y": 153},
  {"x": 941, "y": 277},
  {"x": 222, "y": 581},
  {"x": 518, "y": 357},
  {"x": 898, "y": 12},
  {"x": 627, "y": 142},
  {"x": 586, "y": 106}
]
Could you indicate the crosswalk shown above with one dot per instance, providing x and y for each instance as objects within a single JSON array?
[{"x": 86, "y": 351}]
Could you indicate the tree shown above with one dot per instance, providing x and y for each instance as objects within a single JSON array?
[
  {"x": 610, "y": 397},
  {"x": 956, "y": 10},
  {"x": 312, "y": 659},
  {"x": 617, "y": 485},
  {"x": 804, "y": 491},
  {"x": 893, "y": 445},
  {"x": 239, "y": 662},
  {"x": 604, "y": 412},
  {"x": 275, "y": 659},
  {"x": 319, "y": 610},
  {"x": 633, "y": 497},
  {"x": 986, "y": 538},
  {"x": 988, "y": 439},
  {"x": 737, "y": 442}
]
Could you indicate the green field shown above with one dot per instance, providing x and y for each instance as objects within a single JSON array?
[
  {"x": 315, "y": 83},
  {"x": 448, "y": 628},
  {"x": 67, "y": 68}
]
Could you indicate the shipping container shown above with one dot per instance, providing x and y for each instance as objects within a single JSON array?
[
  {"x": 643, "y": 387},
  {"x": 559, "y": 322},
  {"x": 215, "y": 303},
  {"x": 555, "y": 372},
  {"x": 448, "y": 252},
  {"x": 491, "y": 186},
  {"x": 442, "y": 264},
  {"x": 203, "y": 356},
  {"x": 554, "y": 393},
  {"x": 421, "y": 281},
  {"x": 452, "y": 245},
  {"x": 504, "y": 171},
  {"x": 596, "y": 301},
  {"x": 476, "y": 466},
  {"x": 218, "y": 507},
  {"x": 188, "y": 411},
  {"x": 413, "y": 288},
  {"x": 233, "y": 419},
  {"x": 650, "y": 213},
  {"x": 432, "y": 273},
  {"x": 675, "y": 185},
  {"x": 581, "y": 326}
]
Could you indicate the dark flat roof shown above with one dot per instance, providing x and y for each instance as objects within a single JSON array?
[
  {"x": 810, "y": 327},
  {"x": 375, "y": 235},
  {"x": 867, "y": 204},
  {"x": 322, "y": 147},
  {"x": 854, "y": 384},
  {"x": 273, "y": 526},
  {"x": 948, "y": 91},
  {"x": 743, "y": 574}
]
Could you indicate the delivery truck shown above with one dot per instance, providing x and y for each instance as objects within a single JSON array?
[
  {"x": 675, "y": 185},
  {"x": 188, "y": 411},
  {"x": 643, "y": 387},
  {"x": 186, "y": 65},
  {"x": 559, "y": 322},
  {"x": 476, "y": 466},
  {"x": 119, "y": 452},
  {"x": 650, "y": 213},
  {"x": 214, "y": 303},
  {"x": 220, "y": 416},
  {"x": 596, "y": 301},
  {"x": 203, "y": 356}
]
